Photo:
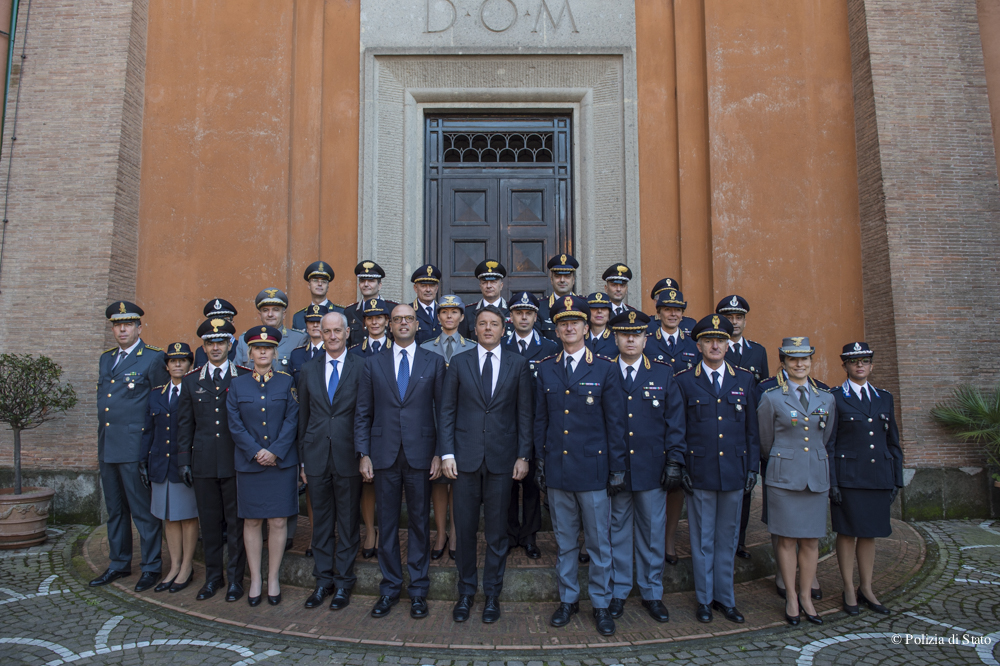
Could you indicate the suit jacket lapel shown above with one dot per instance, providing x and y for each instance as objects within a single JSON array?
[
  {"x": 505, "y": 363},
  {"x": 128, "y": 361},
  {"x": 387, "y": 363},
  {"x": 417, "y": 364},
  {"x": 706, "y": 381},
  {"x": 728, "y": 380}
]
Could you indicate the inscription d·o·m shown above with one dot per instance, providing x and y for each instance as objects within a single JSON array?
[{"x": 498, "y": 15}]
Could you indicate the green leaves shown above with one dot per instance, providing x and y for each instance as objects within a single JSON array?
[
  {"x": 30, "y": 392},
  {"x": 974, "y": 416}
]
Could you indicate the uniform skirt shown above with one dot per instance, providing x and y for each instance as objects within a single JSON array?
[
  {"x": 862, "y": 513},
  {"x": 797, "y": 514},
  {"x": 271, "y": 493},
  {"x": 173, "y": 501}
]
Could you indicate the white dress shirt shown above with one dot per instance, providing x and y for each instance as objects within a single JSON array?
[
  {"x": 737, "y": 343},
  {"x": 340, "y": 365},
  {"x": 396, "y": 357},
  {"x": 212, "y": 368},
  {"x": 381, "y": 341},
  {"x": 481, "y": 350},
  {"x": 500, "y": 303},
  {"x": 708, "y": 373},
  {"x": 428, "y": 306},
  {"x": 577, "y": 358},
  {"x": 527, "y": 341},
  {"x": 856, "y": 389},
  {"x": 675, "y": 335},
  {"x": 119, "y": 358},
  {"x": 635, "y": 367}
]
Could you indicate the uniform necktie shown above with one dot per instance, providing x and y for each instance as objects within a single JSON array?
[
  {"x": 488, "y": 375},
  {"x": 173, "y": 397},
  {"x": 629, "y": 379},
  {"x": 449, "y": 349},
  {"x": 865, "y": 400},
  {"x": 217, "y": 376},
  {"x": 331, "y": 388},
  {"x": 569, "y": 366},
  {"x": 403, "y": 378},
  {"x": 121, "y": 357},
  {"x": 376, "y": 346},
  {"x": 738, "y": 350},
  {"x": 430, "y": 312},
  {"x": 715, "y": 381},
  {"x": 524, "y": 346},
  {"x": 804, "y": 397},
  {"x": 670, "y": 343}
]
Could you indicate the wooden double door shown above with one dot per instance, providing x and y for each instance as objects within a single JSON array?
[{"x": 500, "y": 188}]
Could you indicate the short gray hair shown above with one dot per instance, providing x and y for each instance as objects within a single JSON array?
[{"x": 342, "y": 316}]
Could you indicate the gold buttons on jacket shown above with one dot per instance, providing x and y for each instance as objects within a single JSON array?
[
  {"x": 264, "y": 423},
  {"x": 871, "y": 433},
  {"x": 565, "y": 452},
  {"x": 869, "y": 420},
  {"x": 871, "y": 446},
  {"x": 168, "y": 427},
  {"x": 565, "y": 432},
  {"x": 109, "y": 395},
  {"x": 806, "y": 448},
  {"x": 112, "y": 381},
  {"x": 630, "y": 435},
  {"x": 261, "y": 397},
  {"x": 720, "y": 453},
  {"x": 719, "y": 400},
  {"x": 216, "y": 423},
  {"x": 107, "y": 409},
  {"x": 265, "y": 436},
  {"x": 263, "y": 409},
  {"x": 168, "y": 441},
  {"x": 566, "y": 412},
  {"x": 807, "y": 427},
  {"x": 720, "y": 418},
  {"x": 216, "y": 409},
  {"x": 807, "y": 439},
  {"x": 168, "y": 455},
  {"x": 720, "y": 435},
  {"x": 106, "y": 425},
  {"x": 567, "y": 391},
  {"x": 630, "y": 416},
  {"x": 630, "y": 397},
  {"x": 807, "y": 419},
  {"x": 632, "y": 451},
  {"x": 873, "y": 460}
]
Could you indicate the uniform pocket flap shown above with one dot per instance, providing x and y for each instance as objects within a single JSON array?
[
  {"x": 246, "y": 398},
  {"x": 850, "y": 455},
  {"x": 697, "y": 451},
  {"x": 784, "y": 454},
  {"x": 887, "y": 455},
  {"x": 589, "y": 390},
  {"x": 696, "y": 401},
  {"x": 737, "y": 399}
]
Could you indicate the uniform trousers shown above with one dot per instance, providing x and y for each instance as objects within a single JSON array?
[
  {"x": 390, "y": 485},
  {"x": 128, "y": 500},
  {"x": 714, "y": 524},
  {"x": 492, "y": 491},
  {"x": 524, "y": 513},
  {"x": 336, "y": 501},
  {"x": 216, "y": 499},
  {"x": 592, "y": 509},
  {"x": 644, "y": 514}
]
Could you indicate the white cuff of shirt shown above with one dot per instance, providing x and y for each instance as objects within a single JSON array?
[{"x": 447, "y": 456}]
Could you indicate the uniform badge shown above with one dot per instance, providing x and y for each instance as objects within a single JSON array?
[
  {"x": 656, "y": 403},
  {"x": 795, "y": 418},
  {"x": 590, "y": 399},
  {"x": 131, "y": 385},
  {"x": 284, "y": 361},
  {"x": 739, "y": 407}
]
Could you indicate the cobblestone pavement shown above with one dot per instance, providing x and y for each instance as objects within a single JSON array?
[{"x": 948, "y": 614}]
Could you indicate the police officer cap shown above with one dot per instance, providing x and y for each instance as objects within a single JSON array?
[
  {"x": 665, "y": 283},
  {"x": 428, "y": 273},
  {"x": 856, "y": 350},
  {"x": 315, "y": 312},
  {"x": 123, "y": 311},
  {"x": 523, "y": 300},
  {"x": 271, "y": 297},
  {"x": 713, "y": 326},
  {"x": 262, "y": 335},
  {"x": 375, "y": 307},
  {"x": 671, "y": 298},
  {"x": 563, "y": 263},
  {"x": 570, "y": 307},
  {"x": 369, "y": 270},
  {"x": 451, "y": 301},
  {"x": 599, "y": 299},
  {"x": 490, "y": 270},
  {"x": 216, "y": 328},
  {"x": 319, "y": 269},
  {"x": 179, "y": 350},
  {"x": 219, "y": 307},
  {"x": 630, "y": 321},
  {"x": 733, "y": 305},
  {"x": 796, "y": 347},
  {"x": 618, "y": 273}
]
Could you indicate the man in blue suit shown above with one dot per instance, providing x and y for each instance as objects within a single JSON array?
[
  {"x": 722, "y": 457},
  {"x": 127, "y": 374},
  {"x": 580, "y": 446},
  {"x": 395, "y": 435}
]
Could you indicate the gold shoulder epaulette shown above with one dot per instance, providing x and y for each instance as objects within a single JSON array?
[
  {"x": 162, "y": 389},
  {"x": 282, "y": 372},
  {"x": 388, "y": 345},
  {"x": 547, "y": 358},
  {"x": 108, "y": 350},
  {"x": 303, "y": 345},
  {"x": 154, "y": 348},
  {"x": 773, "y": 388},
  {"x": 695, "y": 369}
]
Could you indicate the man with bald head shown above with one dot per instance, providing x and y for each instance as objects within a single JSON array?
[{"x": 395, "y": 435}]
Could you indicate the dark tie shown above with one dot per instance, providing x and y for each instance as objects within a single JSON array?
[
  {"x": 738, "y": 350},
  {"x": 569, "y": 366},
  {"x": 173, "y": 398},
  {"x": 715, "y": 381},
  {"x": 488, "y": 376},
  {"x": 804, "y": 397},
  {"x": 430, "y": 312},
  {"x": 670, "y": 344},
  {"x": 403, "y": 378},
  {"x": 119, "y": 359},
  {"x": 524, "y": 347},
  {"x": 629, "y": 379},
  {"x": 376, "y": 346},
  {"x": 331, "y": 388},
  {"x": 217, "y": 376},
  {"x": 449, "y": 349},
  {"x": 865, "y": 400}
]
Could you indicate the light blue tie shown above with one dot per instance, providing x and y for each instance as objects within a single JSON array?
[
  {"x": 331, "y": 389},
  {"x": 403, "y": 378}
]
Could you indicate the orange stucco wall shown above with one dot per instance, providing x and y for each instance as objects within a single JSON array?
[{"x": 748, "y": 177}]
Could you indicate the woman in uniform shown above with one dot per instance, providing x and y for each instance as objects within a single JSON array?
[
  {"x": 263, "y": 418},
  {"x": 172, "y": 501},
  {"x": 869, "y": 471},
  {"x": 797, "y": 425}
]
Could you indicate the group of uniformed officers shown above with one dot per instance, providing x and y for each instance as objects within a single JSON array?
[{"x": 613, "y": 415}]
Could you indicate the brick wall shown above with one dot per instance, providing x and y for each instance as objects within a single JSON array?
[
  {"x": 929, "y": 202},
  {"x": 71, "y": 239}
]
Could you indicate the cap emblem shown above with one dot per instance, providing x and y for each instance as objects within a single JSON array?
[
  {"x": 857, "y": 347},
  {"x": 631, "y": 317},
  {"x": 491, "y": 265},
  {"x": 621, "y": 270},
  {"x": 450, "y": 300},
  {"x": 568, "y": 302},
  {"x": 263, "y": 333},
  {"x": 218, "y": 305},
  {"x": 368, "y": 265},
  {"x": 315, "y": 309},
  {"x": 216, "y": 324},
  {"x": 673, "y": 295},
  {"x": 735, "y": 302},
  {"x": 321, "y": 268},
  {"x": 715, "y": 322},
  {"x": 270, "y": 292},
  {"x": 562, "y": 259},
  {"x": 177, "y": 346},
  {"x": 373, "y": 302},
  {"x": 797, "y": 341},
  {"x": 121, "y": 308},
  {"x": 524, "y": 298},
  {"x": 430, "y": 271}
]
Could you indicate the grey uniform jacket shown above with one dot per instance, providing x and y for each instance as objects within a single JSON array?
[
  {"x": 798, "y": 443},
  {"x": 290, "y": 339},
  {"x": 122, "y": 398}
]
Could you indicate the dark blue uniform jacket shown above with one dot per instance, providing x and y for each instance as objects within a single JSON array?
[
  {"x": 685, "y": 354},
  {"x": 263, "y": 415},
  {"x": 867, "y": 453},
  {"x": 159, "y": 437}
]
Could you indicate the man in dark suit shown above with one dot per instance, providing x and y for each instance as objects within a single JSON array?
[
  {"x": 485, "y": 444},
  {"x": 524, "y": 517},
  {"x": 205, "y": 452},
  {"x": 328, "y": 392},
  {"x": 395, "y": 435}
]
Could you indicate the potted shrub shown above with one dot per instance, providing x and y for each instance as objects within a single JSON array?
[
  {"x": 30, "y": 395},
  {"x": 974, "y": 416}
]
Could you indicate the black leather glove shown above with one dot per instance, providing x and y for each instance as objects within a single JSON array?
[
  {"x": 616, "y": 483},
  {"x": 751, "y": 482},
  {"x": 144, "y": 474},
  {"x": 671, "y": 477},
  {"x": 835, "y": 496},
  {"x": 893, "y": 494},
  {"x": 540, "y": 474},
  {"x": 686, "y": 485},
  {"x": 186, "y": 477}
]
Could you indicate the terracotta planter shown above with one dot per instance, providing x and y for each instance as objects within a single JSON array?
[{"x": 23, "y": 517}]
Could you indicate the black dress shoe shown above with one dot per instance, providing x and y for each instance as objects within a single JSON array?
[
  {"x": 209, "y": 589},
  {"x": 583, "y": 557},
  {"x": 309, "y": 552},
  {"x": 850, "y": 610},
  {"x": 341, "y": 600},
  {"x": 109, "y": 576},
  {"x": 235, "y": 592},
  {"x": 816, "y": 593},
  {"x": 672, "y": 560},
  {"x": 177, "y": 587},
  {"x": 605, "y": 623},
  {"x": 729, "y": 612},
  {"x": 460, "y": 613},
  {"x": 147, "y": 580},
  {"x": 656, "y": 610},
  {"x": 451, "y": 554},
  {"x": 491, "y": 611},
  {"x": 531, "y": 550},
  {"x": 437, "y": 554},
  {"x": 254, "y": 601},
  {"x": 780, "y": 591},
  {"x": 815, "y": 619},
  {"x": 384, "y": 605},
  {"x": 163, "y": 586},
  {"x": 275, "y": 600},
  {"x": 743, "y": 553},
  {"x": 418, "y": 607},
  {"x": 704, "y": 613},
  {"x": 319, "y": 594},
  {"x": 562, "y": 615},
  {"x": 878, "y": 608},
  {"x": 616, "y": 607}
]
